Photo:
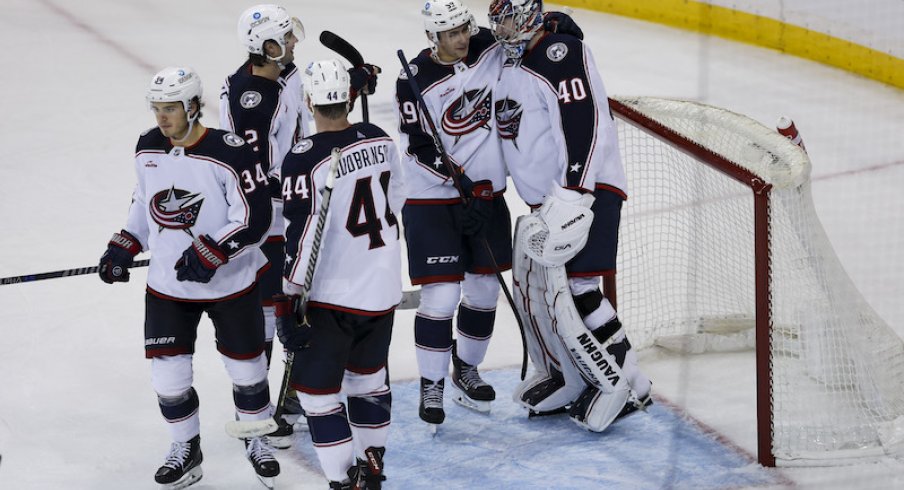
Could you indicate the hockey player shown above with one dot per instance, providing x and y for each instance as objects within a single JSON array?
[
  {"x": 446, "y": 254},
  {"x": 199, "y": 211},
  {"x": 356, "y": 285},
  {"x": 263, "y": 102},
  {"x": 560, "y": 145}
]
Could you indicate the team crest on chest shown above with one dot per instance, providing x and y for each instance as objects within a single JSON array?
[
  {"x": 176, "y": 209},
  {"x": 250, "y": 99},
  {"x": 233, "y": 139},
  {"x": 303, "y": 146},
  {"x": 557, "y": 52},
  {"x": 470, "y": 111},
  {"x": 508, "y": 119}
]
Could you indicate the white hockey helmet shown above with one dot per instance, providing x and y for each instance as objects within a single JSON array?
[
  {"x": 261, "y": 23},
  {"x": 514, "y": 23},
  {"x": 326, "y": 82},
  {"x": 176, "y": 84},
  {"x": 443, "y": 15}
]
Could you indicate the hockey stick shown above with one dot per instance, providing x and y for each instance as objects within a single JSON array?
[
  {"x": 456, "y": 181},
  {"x": 64, "y": 273},
  {"x": 243, "y": 429},
  {"x": 347, "y": 51}
]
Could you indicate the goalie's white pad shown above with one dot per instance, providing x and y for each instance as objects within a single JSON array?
[
  {"x": 557, "y": 338},
  {"x": 556, "y": 232},
  {"x": 595, "y": 410}
]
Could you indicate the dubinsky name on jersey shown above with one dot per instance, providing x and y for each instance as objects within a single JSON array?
[
  {"x": 271, "y": 116},
  {"x": 205, "y": 189},
  {"x": 359, "y": 266},
  {"x": 459, "y": 97},
  {"x": 552, "y": 116}
]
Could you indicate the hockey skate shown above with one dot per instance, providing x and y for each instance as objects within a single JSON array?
[
  {"x": 260, "y": 454},
  {"x": 431, "y": 406},
  {"x": 368, "y": 475},
  {"x": 182, "y": 466},
  {"x": 471, "y": 391}
]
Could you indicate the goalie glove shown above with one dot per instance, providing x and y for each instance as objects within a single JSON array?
[
  {"x": 114, "y": 264},
  {"x": 200, "y": 261},
  {"x": 292, "y": 326},
  {"x": 561, "y": 23},
  {"x": 362, "y": 81},
  {"x": 557, "y": 231}
]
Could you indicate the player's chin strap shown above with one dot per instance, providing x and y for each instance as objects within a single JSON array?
[{"x": 191, "y": 125}]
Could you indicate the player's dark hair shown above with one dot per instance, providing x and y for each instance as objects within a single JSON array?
[
  {"x": 333, "y": 111},
  {"x": 261, "y": 59},
  {"x": 200, "y": 103}
]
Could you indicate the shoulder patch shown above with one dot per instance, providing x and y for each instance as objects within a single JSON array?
[
  {"x": 303, "y": 146},
  {"x": 233, "y": 139},
  {"x": 250, "y": 99},
  {"x": 557, "y": 52},
  {"x": 404, "y": 76}
]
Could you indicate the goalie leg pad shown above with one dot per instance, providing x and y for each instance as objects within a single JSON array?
[
  {"x": 598, "y": 366},
  {"x": 595, "y": 410},
  {"x": 546, "y": 393}
]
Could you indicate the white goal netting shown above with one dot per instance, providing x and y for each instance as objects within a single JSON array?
[{"x": 686, "y": 281}]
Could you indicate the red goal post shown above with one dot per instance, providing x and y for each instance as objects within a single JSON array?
[{"x": 721, "y": 248}]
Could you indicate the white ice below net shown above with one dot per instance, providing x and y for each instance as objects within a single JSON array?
[{"x": 686, "y": 282}]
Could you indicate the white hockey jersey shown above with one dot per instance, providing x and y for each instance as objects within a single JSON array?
[
  {"x": 205, "y": 189},
  {"x": 552, "y": 115},
  {"x": 271, "y": 116},
  {"x": 459, "y": 97},
  {"x": 359, "y": 266}
]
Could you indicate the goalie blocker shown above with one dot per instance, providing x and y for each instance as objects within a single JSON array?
[{"x": 575, "y": 368}]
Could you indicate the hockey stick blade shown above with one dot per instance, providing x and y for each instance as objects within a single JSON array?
[
  {"x": 64, "y": 273},
  {"x": 244, "y": 429},
  {"x": 342, "y": 47}
]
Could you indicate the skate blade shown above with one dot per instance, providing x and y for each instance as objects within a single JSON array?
[
  {"x": 432, "y": 429},
  {"x": 282, "y": 442},
  {"x": 267, "y": 481},
  {"x": 187, "y": 479},
  {"x": 467, "y": 402}
]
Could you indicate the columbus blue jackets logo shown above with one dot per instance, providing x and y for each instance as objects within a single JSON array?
[
  {"x": 468, "y": 112},
  {"x": 176, "y": 209},
  {"x": 250, "y": 99},
  {"x": 508, "y": 119}
]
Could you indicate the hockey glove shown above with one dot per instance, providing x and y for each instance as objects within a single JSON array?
[
  {"x": 200, "y": 261},
  {"x": 479, "y": 207},
  {"x": 292, "y": 326},
  {"x": 562, "y": 23},
  {"x": 115, "y": 263},
  {"x": 363, "y": 80},
  {"x": 557, "y": 231}
]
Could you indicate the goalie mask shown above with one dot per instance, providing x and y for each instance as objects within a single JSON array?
[
  {"x": 326, "y": 82},
  {"x": 176, "y": 84},
  {"x": 444, "y": 15},
  {"x": 514, "y": 23},
  {"x": 263, "y": 23}
]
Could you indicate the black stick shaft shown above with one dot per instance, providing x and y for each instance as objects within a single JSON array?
[
  {"x": 456, "y": 181},
  {"x": 80, "y": 271}
]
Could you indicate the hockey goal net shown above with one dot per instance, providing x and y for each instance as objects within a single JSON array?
[{"x": 721, "y": 249}]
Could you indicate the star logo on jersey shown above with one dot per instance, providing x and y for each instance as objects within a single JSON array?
[
  {"x": 508, "y": 119},
  {"x": 576, "y": 167},
  {"x": 468, "y": 113},
  {"x": 557, "y": 52},
  {"x": 250, "y": 99},
  {"x": 233, "y": 244},
  {"x": 176, "y": 209}
]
